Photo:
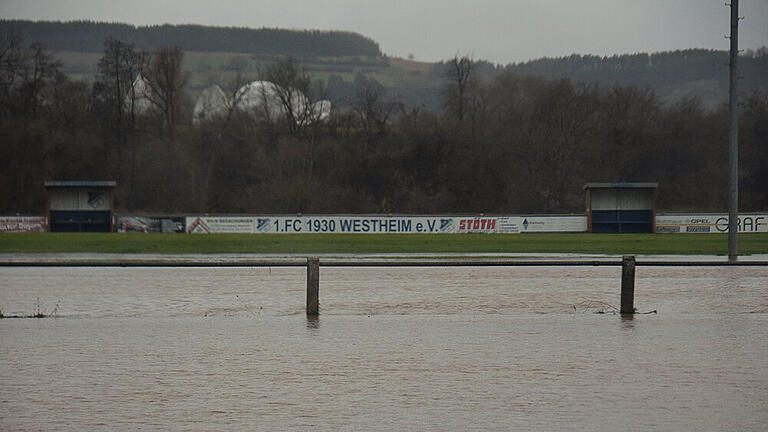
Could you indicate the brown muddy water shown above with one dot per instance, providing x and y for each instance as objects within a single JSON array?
[{"x": 394, "y": 349}]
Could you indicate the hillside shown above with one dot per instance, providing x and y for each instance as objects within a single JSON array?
[
  {"x": 334, "y": 59},
  {"x": 88, "y": 36},
  {"x": 672, "y": 75}
]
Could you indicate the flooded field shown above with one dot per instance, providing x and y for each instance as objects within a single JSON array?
[{"x": 464, "y": 348}]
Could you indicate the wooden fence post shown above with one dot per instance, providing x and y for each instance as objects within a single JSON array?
[
  {"x": 628, "y": 285},
  {"x": 313, "y": 286}
]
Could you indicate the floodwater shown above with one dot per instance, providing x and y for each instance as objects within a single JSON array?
[{"x": 497, "y": 348}]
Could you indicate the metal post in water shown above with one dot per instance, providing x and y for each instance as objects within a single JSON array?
[
  {"x": 313, "y": 286},
  {"x": 733, "y": 153},
  {"x": 628, "y": 285}
]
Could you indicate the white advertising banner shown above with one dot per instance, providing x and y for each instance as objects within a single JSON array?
[
  {"x": 23, "y": 223},
  {"x": 553, "y": 224},
  {"x": 220, "y": 224},
  {"x": 349, "y": 224},
  {"x": 709, "y": 223},
  {"x": 384, "y": 224}
]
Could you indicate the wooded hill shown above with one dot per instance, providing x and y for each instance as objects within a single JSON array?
[
  {"x": 89, "y": 36},
  {"x": 335, "y": 58},
  {"x": 672, "y": 75}
]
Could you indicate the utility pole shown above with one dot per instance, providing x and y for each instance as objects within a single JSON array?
[{"x": 733, "y": 154}]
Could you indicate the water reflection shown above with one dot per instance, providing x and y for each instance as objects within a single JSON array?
[
  {"x": 313, "y": 322},
  {"x": 627, "y": 321}
]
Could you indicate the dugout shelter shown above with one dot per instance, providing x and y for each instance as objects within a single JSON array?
[
  {"x": 621, "y": 207},
  {"x": 80, "y": 206}
]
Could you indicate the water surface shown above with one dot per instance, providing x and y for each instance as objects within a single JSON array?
[{"x": 394, "y": 348}]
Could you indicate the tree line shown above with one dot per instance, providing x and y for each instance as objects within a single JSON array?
[
  {"x": 673, "y": 75},
  {"x": 651, "y": 70},
  {"x": 87, "y": 36},
  {"x": 501, "y": 144}
]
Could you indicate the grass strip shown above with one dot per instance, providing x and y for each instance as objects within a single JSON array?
[{"x": 610, "y": 244}]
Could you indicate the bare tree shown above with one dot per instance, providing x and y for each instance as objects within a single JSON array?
[
  {"x": 234, "y": 89},
  {"x": 38, "y": 75},
  {"x": 291, "y": 85},
  {"x": 166, "y": 81},
  {"x": 118, "y": 68},
  {"x": 371, "y": 107},
  {"x": 11, "y": 62},
  {"x": 459, "y": 79}
]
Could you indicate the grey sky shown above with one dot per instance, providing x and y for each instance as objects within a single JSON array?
[{"x": 500, "y": 31}]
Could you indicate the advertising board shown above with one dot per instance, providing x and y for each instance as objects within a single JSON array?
[
  {"x": 709, "y": 223},
  {"x": 23, "y": 223},
  {"x": 150, "y": 224},
  {"x": 553, "y": 224},
  {"x": 348, "y": 224},
  {"x": 220, "y": 224},
  {"x": 379, "y": 224}
]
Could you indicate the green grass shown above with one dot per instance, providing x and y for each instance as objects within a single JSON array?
[{"x": 612, "y": 244}]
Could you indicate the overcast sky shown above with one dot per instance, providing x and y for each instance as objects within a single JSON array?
[{"x": 500, "y": 31}]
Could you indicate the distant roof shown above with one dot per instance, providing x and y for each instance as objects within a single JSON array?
[
  {"x": 104, "y": 183},
  {"x": 621, "y": 185}
]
